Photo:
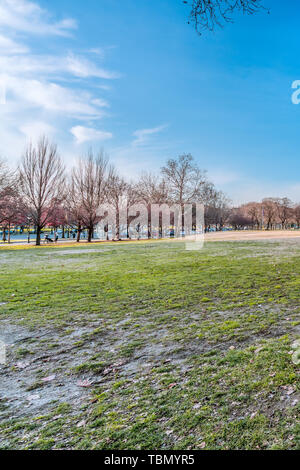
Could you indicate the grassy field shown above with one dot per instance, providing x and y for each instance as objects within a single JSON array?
[{"x": 149, "y": 346}]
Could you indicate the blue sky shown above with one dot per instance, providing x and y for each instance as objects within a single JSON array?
[{"x": 132, "y": 77}]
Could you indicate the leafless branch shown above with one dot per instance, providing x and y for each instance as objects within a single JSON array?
[{"x": 209, "y": 14}]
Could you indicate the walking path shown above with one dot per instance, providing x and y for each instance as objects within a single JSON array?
[
  {"x": 245, "y": 235},
  {"x": 242, "y": 235}
]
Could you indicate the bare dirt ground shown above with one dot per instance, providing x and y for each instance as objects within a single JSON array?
[{"x": 148, "y": 345}]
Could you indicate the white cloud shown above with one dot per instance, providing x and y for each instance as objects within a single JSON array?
[
  {"x": 54, "y": 98},
  {"x": 144, "y": 152},
  {"x": 43, "y": 93},
  {"x": 142, "y": 135},
  {"x": 81, "y": 67},
  {"x": 96, "y": 50},
  {"x": 52, "y": 65},
  {"x": 8, "y": 46},
  {"x": 29, "y": 17},
  {"x": 33, "y": 130},
  {"x": 87, "y": 134}
]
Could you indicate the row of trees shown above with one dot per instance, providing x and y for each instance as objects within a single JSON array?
[
  {"x": 270, "y": 214},
  {"x": 41, "y": 193}
]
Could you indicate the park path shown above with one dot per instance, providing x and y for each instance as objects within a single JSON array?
[
  {"x": 242, "y": 235},
  {"x": 247, "y": 235}
]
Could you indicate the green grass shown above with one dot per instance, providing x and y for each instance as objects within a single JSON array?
[{"x": 183, "y": 350}]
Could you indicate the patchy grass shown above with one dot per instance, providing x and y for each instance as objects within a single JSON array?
[{"x": 149, "y": 346}]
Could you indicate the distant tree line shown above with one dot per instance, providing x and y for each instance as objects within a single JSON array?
[
  {"x": 270, "y": 214},
  {"x": 42, "y": 193}
]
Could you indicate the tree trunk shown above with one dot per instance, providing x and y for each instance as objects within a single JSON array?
[
  {"x": 38, "y": 236},
  {"x": 8, "y": 233},
  {"x": 118, "y": 226},
  {"x": 182, "y": 220},
  {"x": 78, "y": 233},
  {"x": 63, "y": 232},
  {"x": 127, "y": 228},
  {"x": 149, "y": 222},
  {"x": 90, "y": 234}
]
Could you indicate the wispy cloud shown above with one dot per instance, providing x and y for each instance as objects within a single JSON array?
[
  {"x": 45, "y": 93},
  {"x": 142, "y": 135},
  {"x": 87, "y": 134},
  {"x": 11, "y": 47},
  {"x": 29, "y": 64},
  {"x": 31, "y": 129},
  {"x": 84, "y": 68},
  {"x": 54, "y": 98},
  {"x": 29, "y": 17},
  {"x": 145, "y": 151}
]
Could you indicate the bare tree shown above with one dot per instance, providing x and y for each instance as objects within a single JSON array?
[
  {"x": 7, "y": 196},
  {"x": 117, "y": 197},
  {"x": 74, "y": 210},
  {"x": 88, "y": 191},
  {"x": 6, "y": 176},
  {"x": 151, "y": 189},
  {"x": 217, "y": 209},
  {"x": 186, "y": 183},
  {"x": 284, "y": 210},
  {"x": 42, "y": 182},
  {"x": 254, "y": 211},
  {"x": 184, "y": 179},
  {"x": 209, "y": 14},
  {"x": 297, "y": 214},
  {"x": 12, "y": 209},
  {"x": 269, "y": 212},
  {"x": 238, "y": 220},
  {"x": 131, "y": 198}
]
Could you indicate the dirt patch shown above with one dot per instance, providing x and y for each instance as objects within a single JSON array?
[
  {"x": 23, "y": 388},
  {"x": 45, "y": 368},
  {"x": 78, "y": 252}
]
